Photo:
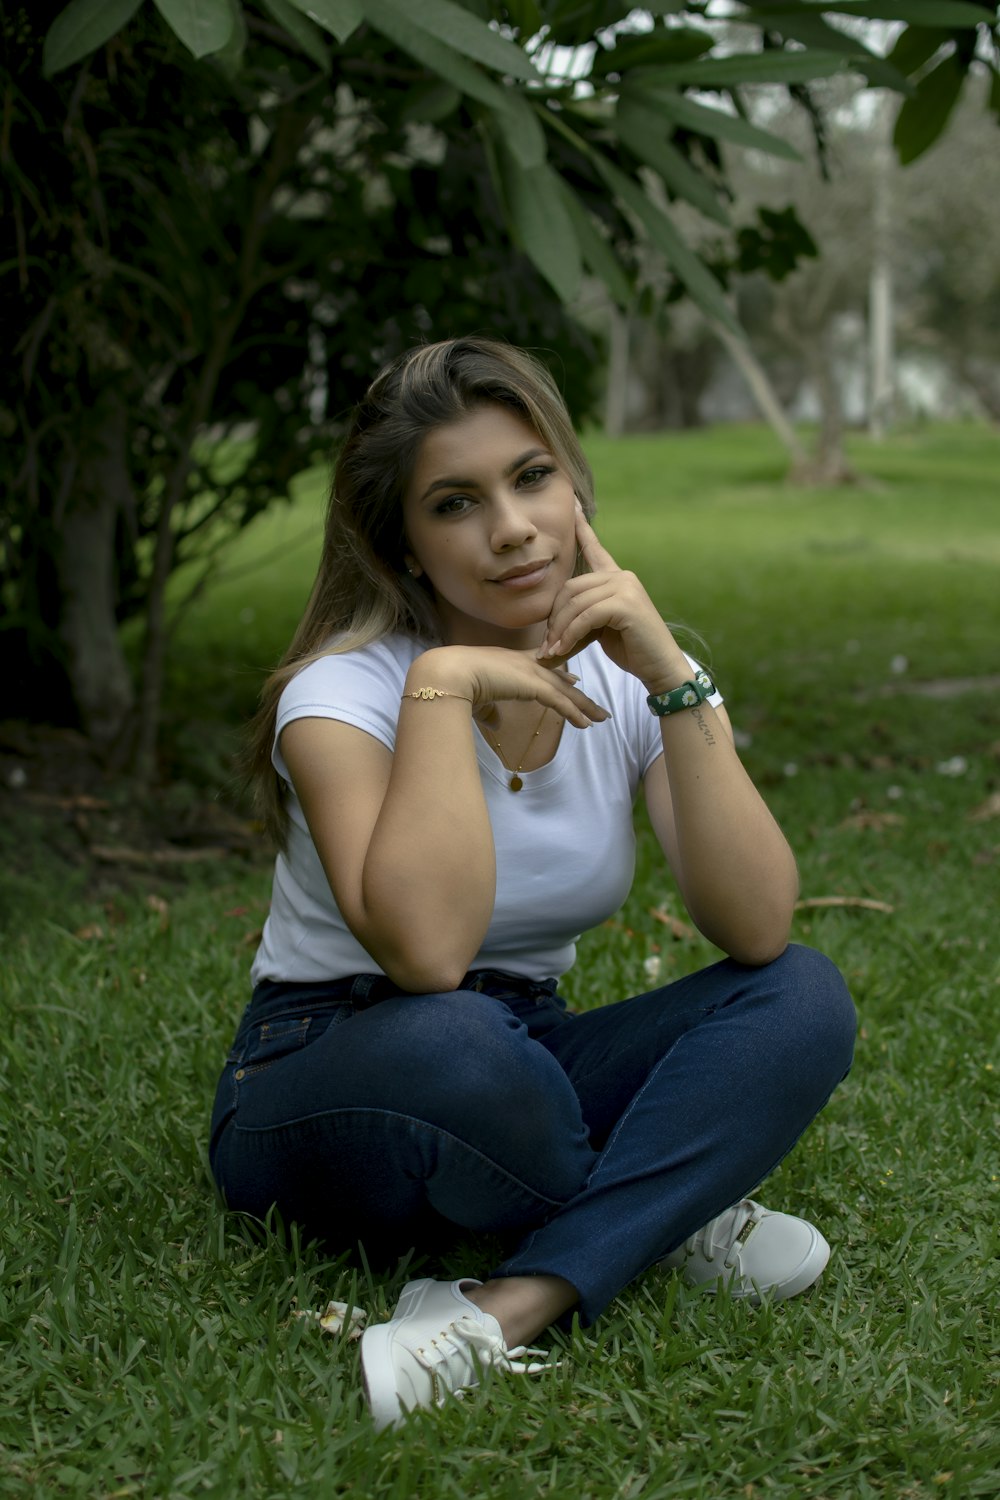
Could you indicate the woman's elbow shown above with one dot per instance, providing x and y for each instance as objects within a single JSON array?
[
  {"x": 761, "y": 943},
  {"x": 425, "y": 973},
  {"x": 757, "y": 955}
]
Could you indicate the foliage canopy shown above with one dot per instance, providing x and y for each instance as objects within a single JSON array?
[{"x": 222, "y": 217}]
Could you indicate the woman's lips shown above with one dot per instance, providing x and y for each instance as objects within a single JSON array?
[{"x": 524, "y": 580}]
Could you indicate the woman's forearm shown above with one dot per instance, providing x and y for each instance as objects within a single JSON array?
[
  {"x": 429, "y": 877},
  {"x": 736, "y": 870}
]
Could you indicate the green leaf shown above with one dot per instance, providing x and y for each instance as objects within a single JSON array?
[
  {"x": 452, "y": 26},
  {"x": 949, "y": 14},
  {"x": 699, "y": 281},
  {"x": 921, "y": 119},
  {"x": 230, "y": 57},
  {"x": 880, "y": 75},
  {"x": 341, "y": 17},
  {"x": 644, "y": 132},
  {"x": 430, "y": 102},
  {"x": 518, "y": 122},
  {"x": 526, "y": 16},
  {"x": 542, "y": 226},
  {"x": 598, "y": 254},
  {"x": 771, "y": 66},
  {"x": 305, "y": 33},
  {"x": 204, "y": 26},
  {"x": 520, "y": 127},
  {"x": 813, "y": 31},
  {"x": 81, "y": 28},
  {"x": 706, "y": 121},
  {"x": 915, "y": 47},
  {"x": 652, "y": 48}
]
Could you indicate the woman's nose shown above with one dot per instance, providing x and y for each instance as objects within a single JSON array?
[{"x": 512, "y": 524}]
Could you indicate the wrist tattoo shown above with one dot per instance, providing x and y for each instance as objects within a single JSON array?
[{"x": 703, "y": 725}]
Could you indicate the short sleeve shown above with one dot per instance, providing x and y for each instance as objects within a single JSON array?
[{"x": 360, "y": 687}]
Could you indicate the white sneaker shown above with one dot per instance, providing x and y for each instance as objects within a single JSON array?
[
  {"x": 753, "y": 1252},
  {"x": 436, "y": 1343}
]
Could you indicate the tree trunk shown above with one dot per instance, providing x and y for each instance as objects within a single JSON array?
[
  {"x": 881, "y": 393},
  {"x": 85, "y": 566},
  {"x": 830, "y": 464},
  {"x": 291, "y": 127},
  {"x": 761, "y": 389}
]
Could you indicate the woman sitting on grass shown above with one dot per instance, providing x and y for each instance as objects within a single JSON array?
[{"x": 449, "y": 755}]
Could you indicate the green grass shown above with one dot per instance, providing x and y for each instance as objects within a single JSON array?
[{"x": 150, "y": 1344}]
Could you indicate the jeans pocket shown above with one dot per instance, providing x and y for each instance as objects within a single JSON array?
[{"x": 271, "y": 1041}]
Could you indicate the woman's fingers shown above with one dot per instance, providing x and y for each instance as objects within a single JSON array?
[
  {"x": 509, "y": 676},
  {"x": 578, "y": 708},
  {"x": 557, "y": 691},
  {"x": 488, "y": 715},
  {"x": 586, "y": 606},
  {"x": 595, "y": 554}
]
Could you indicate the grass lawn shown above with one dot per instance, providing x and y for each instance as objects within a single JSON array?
[{"x": 151, "y": 1346}]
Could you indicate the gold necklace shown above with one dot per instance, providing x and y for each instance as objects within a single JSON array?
[{"x": 515, "y": 782}]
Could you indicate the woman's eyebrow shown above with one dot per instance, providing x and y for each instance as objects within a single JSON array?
[{"x": 447, "y": 482}]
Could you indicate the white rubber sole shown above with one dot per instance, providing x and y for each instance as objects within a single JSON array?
[
  {"x": 379, "y": 1376},
  {"x": 805, "y": 1275}
]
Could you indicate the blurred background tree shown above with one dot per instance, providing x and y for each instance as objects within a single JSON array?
[{"x": 220, "y": 219}]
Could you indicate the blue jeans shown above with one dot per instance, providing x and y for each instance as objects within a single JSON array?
[{"x": 596, "y": 1142}]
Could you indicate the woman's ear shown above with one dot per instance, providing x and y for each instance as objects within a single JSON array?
[{"x": 412, "y": 566}]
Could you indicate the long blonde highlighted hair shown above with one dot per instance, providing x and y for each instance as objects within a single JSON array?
[{"x": 362, "y": 590}]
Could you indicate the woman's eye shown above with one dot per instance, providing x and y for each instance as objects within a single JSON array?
[
  {"x": 535, "y": 474},
  {"x": 452, "y": 505}
]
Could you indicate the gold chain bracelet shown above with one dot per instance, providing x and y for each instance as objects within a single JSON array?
[{"x": 428, "y": 694}]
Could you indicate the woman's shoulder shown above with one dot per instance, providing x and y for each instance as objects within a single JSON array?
[
  {"x": 382, "y": 663},
  {"x": 359, "y": 685}
]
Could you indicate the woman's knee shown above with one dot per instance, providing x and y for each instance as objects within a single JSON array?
[
  {"x": 816, "y": 1009},
  {"x": 460, "y": 1056}
]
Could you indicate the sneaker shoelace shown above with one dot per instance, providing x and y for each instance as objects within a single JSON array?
[
  {"x": 725, "y": 1235},
  {"x": 455, "y": 1357}
]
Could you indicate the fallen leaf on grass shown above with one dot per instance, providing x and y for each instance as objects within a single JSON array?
[
  {"x": 93, "y": 932},
  {"x": 869, "y": 818},
  {"x": 674, "y": 925},
  {"x": 988, "y": 809},
  {"x": 335, "y": 1316},
  {"x": 812, "y": 903},
  {"x": 162, "y": 909}
]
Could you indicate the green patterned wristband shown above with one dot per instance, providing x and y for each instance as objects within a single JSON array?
[{"x": 688, "y": 695}]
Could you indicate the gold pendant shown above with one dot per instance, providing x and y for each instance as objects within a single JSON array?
[{"x": 516, "y": 783}]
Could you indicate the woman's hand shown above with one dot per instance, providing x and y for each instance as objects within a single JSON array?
[
  {"x": 489, "y": 675},
  {"x": 610, "y": 606}
]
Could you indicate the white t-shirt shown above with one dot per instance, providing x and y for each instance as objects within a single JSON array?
[{"x": 565, "y": 843}]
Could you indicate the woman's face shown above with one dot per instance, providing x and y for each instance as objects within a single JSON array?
[{"x": 489, "y": 520}]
